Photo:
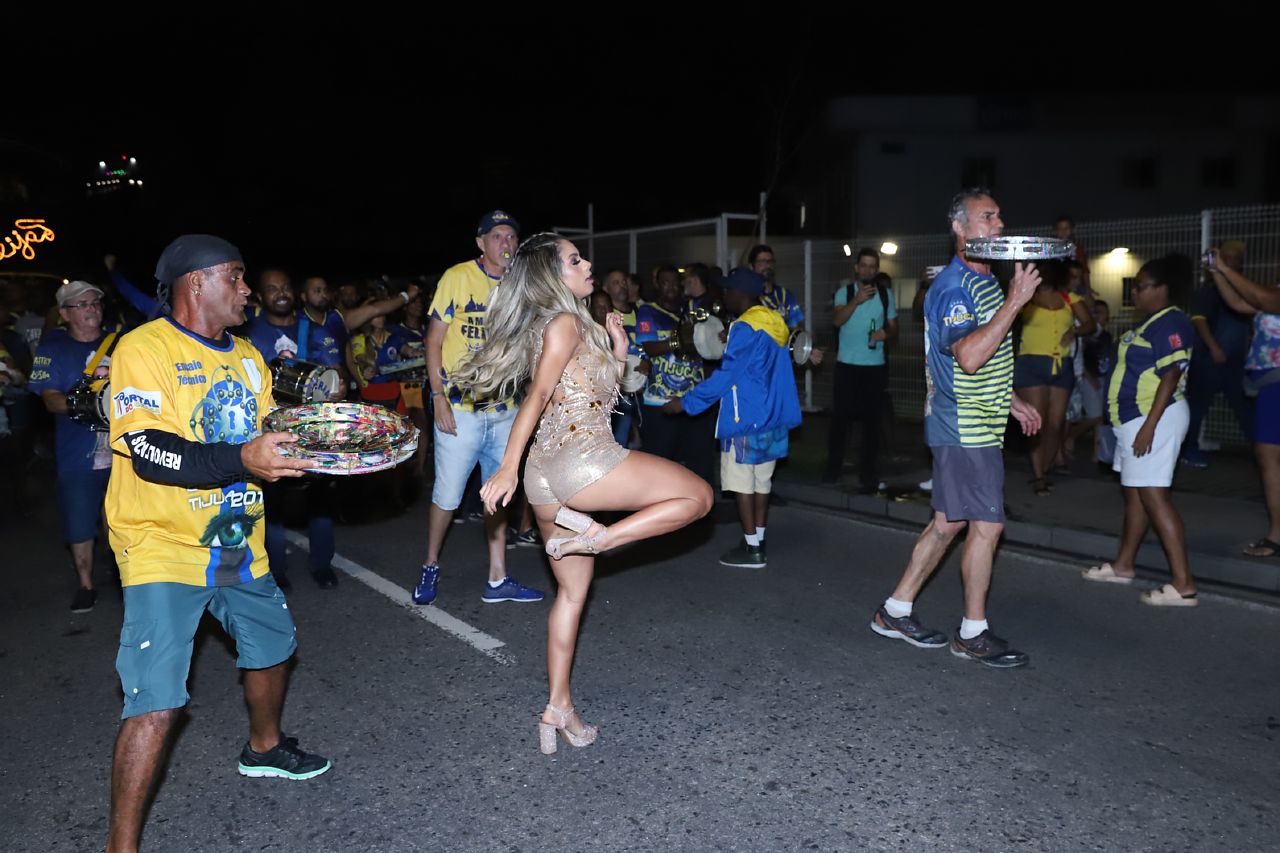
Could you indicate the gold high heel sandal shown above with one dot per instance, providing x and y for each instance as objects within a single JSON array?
[
  {"x": 579, "y": 523},
  {"x": 547, "y": 731}
]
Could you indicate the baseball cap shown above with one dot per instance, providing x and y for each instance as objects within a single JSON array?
[
  {"x": 746, "y": 280},
  {"x": 493, "y": 219},
  {"x": 73, "y": 290}
]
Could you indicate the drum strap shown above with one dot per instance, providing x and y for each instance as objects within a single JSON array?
[
  {"x": 104, "y": 351},
  {"x": 304, "y": 336}
]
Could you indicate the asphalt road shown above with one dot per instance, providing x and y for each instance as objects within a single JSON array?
[{"x": 738, "y": 709}]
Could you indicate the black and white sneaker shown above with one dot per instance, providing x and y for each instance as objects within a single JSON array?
[
  {"x": 745, "y": 556},
  {"x": 987, "y": 648},
  {"x": 83, "y": 600},
  {"x": 285, "y": 761},
  {"x": 906, "y": 628}
]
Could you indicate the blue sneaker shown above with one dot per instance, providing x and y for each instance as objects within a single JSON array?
[
  {"x": 1194, "y": 458},
  {"x": 425, "y": 591},
  {"x": 510, "y": 590}
]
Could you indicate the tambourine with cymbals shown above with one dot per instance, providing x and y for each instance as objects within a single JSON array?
[
  {"x": 294, "y": 382},
  {"x": 1019, "y": 249},
  {"x": 87, "y": 403},
  {"x": 801, "y": 345},
  {"x": 345, "y": 438}
]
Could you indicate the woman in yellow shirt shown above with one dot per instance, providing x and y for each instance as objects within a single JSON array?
[{"x": 1044, "y": 373}]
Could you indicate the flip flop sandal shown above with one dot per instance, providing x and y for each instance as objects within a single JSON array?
[
  {"x": 1274, "y": 547},
  {"x": 1105, "y": 574},
  {"x": 1167, "y": 596}
]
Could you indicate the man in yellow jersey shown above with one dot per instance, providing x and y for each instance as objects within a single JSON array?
[
  {"x": 969, "y": 374},
  {"x": 186, "y": 522},
  {"x": 468, "y": 431}
]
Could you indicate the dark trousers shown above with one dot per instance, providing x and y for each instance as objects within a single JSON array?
[
  {"x": 686, "y": 439},
  {"x": 315, "y": 495},
  {"x": 1204, "y": 380},
  {"x": 859, "y": 396}
]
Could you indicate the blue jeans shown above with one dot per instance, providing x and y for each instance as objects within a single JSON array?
[
  {"x": 481, "y": 437},
  {"x": 319, "y": 524}
]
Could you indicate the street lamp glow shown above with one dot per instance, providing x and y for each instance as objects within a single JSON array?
[
  {"x": 848, "y": 253},
  {"x": 1119, "y": 252},
  {"x": 888, "y": 248}
]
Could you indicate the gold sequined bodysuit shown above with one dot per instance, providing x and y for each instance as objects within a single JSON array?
[{"x": 574, "y": 444}]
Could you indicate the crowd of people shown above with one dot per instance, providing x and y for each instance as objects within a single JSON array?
[{"x": 597, "y": 411}]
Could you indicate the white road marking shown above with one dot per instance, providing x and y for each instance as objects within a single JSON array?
[{"x": 477, "y": 639}]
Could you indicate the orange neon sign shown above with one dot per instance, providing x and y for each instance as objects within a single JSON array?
[{"x": 26, "y": 232}]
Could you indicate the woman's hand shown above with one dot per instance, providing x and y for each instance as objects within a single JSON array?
[
  {"x": 498, "y": 489},
  {"x": 617, "y": 335},
  {"x": 1146, "y": 435},
  {"x": 1068, "y": 337}
]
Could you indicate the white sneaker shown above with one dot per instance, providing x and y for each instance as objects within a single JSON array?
[{"x": 927, "y": 485}]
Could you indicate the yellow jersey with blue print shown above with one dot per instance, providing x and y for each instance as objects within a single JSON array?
[
  {"x": 461, "y": 302},
  {"x": 166, "y": 377}
]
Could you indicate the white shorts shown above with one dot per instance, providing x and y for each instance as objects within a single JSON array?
[
  {"x": 745, "y": 479},
  {"x": 1155, "y": 469}
]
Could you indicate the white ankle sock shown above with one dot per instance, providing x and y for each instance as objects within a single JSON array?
[
  {"x": 496, "y": 584},
  {"x": 760, "y": 533},
  {"x": 753, "y": 539},
  {"x": 970, "y": 628},
  {"x": 897, "y": 609}
]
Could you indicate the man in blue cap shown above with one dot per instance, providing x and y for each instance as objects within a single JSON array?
[
  {"x": 468, "y": 431},
  {"x": 185, "y": 514},
  {"x": 756, "y": 389}
]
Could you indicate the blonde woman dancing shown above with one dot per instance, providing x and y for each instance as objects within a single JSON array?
[{"x": 539, "y": 330}]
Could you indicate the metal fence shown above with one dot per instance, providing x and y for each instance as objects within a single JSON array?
[
  {"x": 817, "y": 268},
  {"x": 722, "y": 241}
]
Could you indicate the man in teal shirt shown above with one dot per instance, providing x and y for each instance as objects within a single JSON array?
[{"x": 866, "y": 318}]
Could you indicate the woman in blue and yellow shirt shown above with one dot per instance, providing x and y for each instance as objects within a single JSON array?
[{"x": 1148, "y": 408}]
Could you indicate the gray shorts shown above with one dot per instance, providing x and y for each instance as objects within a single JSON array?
[{"x": 968, "y": 483}]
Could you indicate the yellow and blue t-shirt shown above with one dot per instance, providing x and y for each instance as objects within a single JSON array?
[
  {"x": 461, "y": 301},
  {"x": 1164, "y": 341},
  {"x": 960, "y": 409},
  {"x": 166, "y": 377},
  {"x": 670, "y": 375},
  {"x": 785, "y": 303}
]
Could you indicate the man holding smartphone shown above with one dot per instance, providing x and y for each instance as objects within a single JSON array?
[{"x": 866, "y": 318}]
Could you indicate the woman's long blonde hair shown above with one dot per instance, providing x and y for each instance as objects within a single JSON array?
[{"x": 530, "y": 295}]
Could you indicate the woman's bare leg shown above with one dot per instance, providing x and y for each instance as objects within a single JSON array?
[
  {"x": 664, "y": 495},
  {"x": 1038, "y": 397},
  {"x": 573, "y": 580},
  {"x": 1054, "y": 425}
]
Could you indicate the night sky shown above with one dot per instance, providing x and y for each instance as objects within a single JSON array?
[{"x": 362, "y": 146}]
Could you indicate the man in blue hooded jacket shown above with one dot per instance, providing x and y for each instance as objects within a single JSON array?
[{"x": 759, "y": 406}]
